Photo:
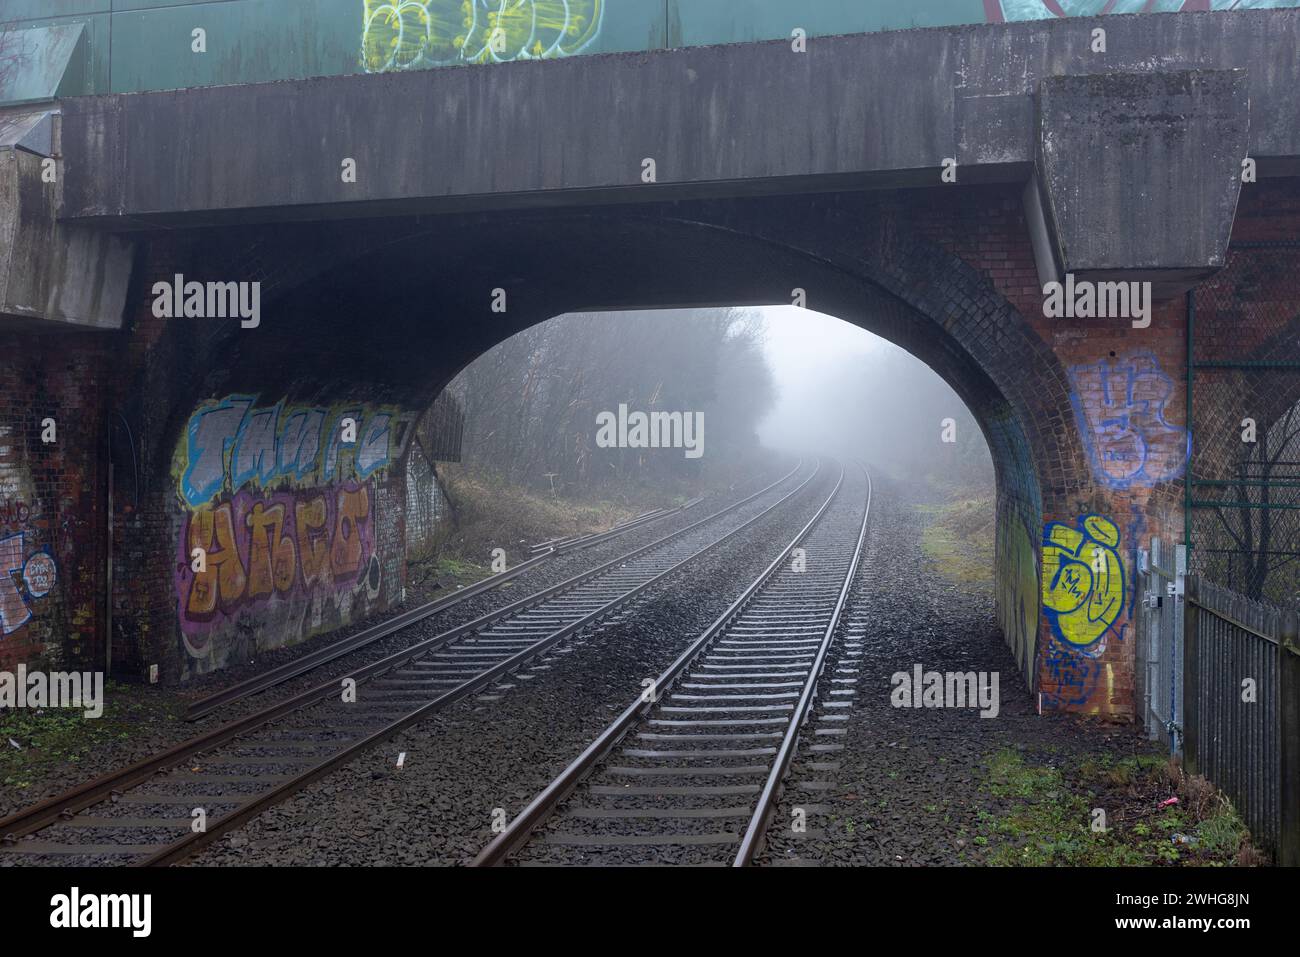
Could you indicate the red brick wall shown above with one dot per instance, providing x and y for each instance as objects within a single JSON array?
[
  {"x": 1085, "y": 665},
  {"x": 1071, "y": 473},
  {"x": 52, "y": 499},
  {"x": 173, "y": 370}
]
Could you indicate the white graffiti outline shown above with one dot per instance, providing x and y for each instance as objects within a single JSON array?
[{"x": 394, "y": 15}]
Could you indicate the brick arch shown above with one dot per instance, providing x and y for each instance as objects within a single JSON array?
[
  {"x": 927, "y": 300},
  {"x": 394, "y": 309},
  {"x": 857, "y": 262}
]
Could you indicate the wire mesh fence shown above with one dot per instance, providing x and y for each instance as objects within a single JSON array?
[{"x": 1243, "y": 488}]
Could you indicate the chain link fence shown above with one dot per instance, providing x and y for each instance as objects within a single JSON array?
[{"x": 1243, "y": 488}]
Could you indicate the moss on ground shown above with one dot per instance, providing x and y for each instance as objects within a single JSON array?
[
  {"x": 1049, "y": 814},
  {"x": 32, "y": 742}
]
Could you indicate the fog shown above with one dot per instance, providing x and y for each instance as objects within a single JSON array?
[{"x": 842, "y": 390}]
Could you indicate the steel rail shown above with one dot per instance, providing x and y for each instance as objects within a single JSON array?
[
  {"x": 518, "y": 831},
  {"x": 63, "y": 806},
  {"x": 78, "y": 798},
  {"x": 567, "y": 542},
  {"x": 309, "y": 662},
  {"x": 192, "y": 842},
  {"x": 751, "y": 842}
]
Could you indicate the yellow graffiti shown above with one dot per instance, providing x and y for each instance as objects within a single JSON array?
[
  {"x": 1018, "y": 589},
  {"x": 406, "y": 34},
  {"x": 1083, "y": 579}
]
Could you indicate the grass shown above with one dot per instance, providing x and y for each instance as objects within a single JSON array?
[
  {"x": 50, "y": 738},
  {"x": 959, "y": 539},
  {"x": 1047, "y": 823},
  {"x": 488, "y": 515},
  {"x": 1107, "y": 812},
  {"x": 491, "y": 515}
]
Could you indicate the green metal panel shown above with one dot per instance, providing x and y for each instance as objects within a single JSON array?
[
  {"x": 49, "y": 61},
  {"x": 45, "y": 9},
  {"x": 736, "y": 21},
  {"x": 120, "y": 6},
  {"x": 94, "y": 77},
  {"x": 252, "y": 41},
  {"x": 248, "y": 41},
  {"x": 632, "y": 25}
]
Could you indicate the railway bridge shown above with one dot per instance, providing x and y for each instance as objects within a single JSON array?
[{"x": 404, "y": 208}]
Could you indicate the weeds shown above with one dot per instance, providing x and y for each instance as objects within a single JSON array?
[{"x": 1049, "y": 812}]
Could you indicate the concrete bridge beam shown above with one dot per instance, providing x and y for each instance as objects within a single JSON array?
[
  {"x": 1137, "y": 175},
  {"x": 52, "y": 275}
]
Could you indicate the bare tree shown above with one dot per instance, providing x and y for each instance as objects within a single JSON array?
[
  {"x": 531, "y": 403},
  {"x": 15, "y": 52},
  {"x": 1263, "y": 530}
]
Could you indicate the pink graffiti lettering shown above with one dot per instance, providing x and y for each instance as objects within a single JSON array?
[{"x": 262, "y": 547}]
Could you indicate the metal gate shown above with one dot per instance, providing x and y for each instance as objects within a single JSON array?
[{"x": 1160, "y": 640}]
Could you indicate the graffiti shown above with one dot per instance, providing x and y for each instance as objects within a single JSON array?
[
  {"x": 1120, "y": 410},
  {"x": 1083, "y": 579},
  {"x": 1072, "y": 678},
  {"x": 285, "y": 505},
  {"x": 230, "y": 444},
  {"x": 15, "y": 514},
  {"x": 38, "y": 574},
  {"x": 1002, "y": 11},
  {"x": 1018, "y": 591},
  {"x": 412, "y": 34},
  {"x": 258, "y": 547}
]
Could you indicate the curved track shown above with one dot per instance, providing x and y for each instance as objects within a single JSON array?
[
  {"x": 542, "y": 552},
  {"x": 691, "y": 774},
  {"x": 235, "y": 771}
]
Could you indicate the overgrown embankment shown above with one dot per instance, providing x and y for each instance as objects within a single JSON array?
[
  {"x": 1103, "y": 810},
  {"x": 488, "y": 514},
  {"x": 958, "y": 537},
  {"x": 946, "y": 781}
]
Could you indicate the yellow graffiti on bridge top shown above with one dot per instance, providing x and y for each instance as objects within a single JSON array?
[
  {"x": 405, "y": 34},
  {"x": 1083, "y": 579}
]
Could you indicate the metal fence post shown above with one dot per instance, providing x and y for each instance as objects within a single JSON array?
[
  {"x": 1288, "y": 738},
  {"x": 1191, "y": 672}
]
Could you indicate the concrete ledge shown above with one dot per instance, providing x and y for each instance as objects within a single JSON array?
[{"x": 1139, "y": 173}]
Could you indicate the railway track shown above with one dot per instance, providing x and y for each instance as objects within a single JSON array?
[
  {"x": 691, "y": 771},
  {"x": 542, "y": 552},
  {"x": 163, "y": 809}
]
